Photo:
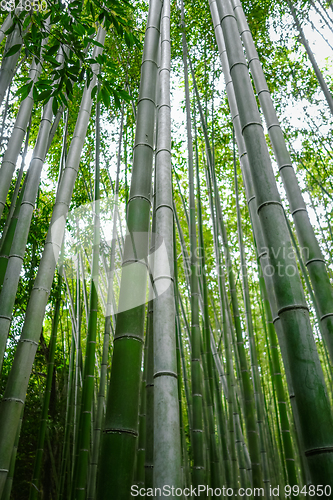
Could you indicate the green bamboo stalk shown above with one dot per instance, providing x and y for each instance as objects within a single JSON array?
[
  {"x": 107, "y": 331},
  {"x": 118, "y": 444},
  {"x": 9, "y": 481},
  {"x": 231, "y": 398},
  {"x": 35, "y": 484},
  {"x": 8, "y": 64},
  {"x": 222, "y": 424},
  {"x": 7, "y": 243},
  {"x": 65, "y": 461},
  {"x": 250, "y": 414},
  {"x": 17, "y": 250},
  {"x": 313, "y": 405},
  {"x": 250, "y": 331},
  {"x": 8, "y": 22},
  {"x": 17, "y": 136},
  {"x": 319, "y": 75},
  {"x": 277, "y": 467},
  {"x": 286, "y": 452},
  {"x": 182, "y": 197},
  {"x": 182, "y": 353},
  {"x": 198, "y": 472},
  {"x": 140, "y": 454},
  {"x": 166, "y": 406},
  {"x": 253, "y": 212},
  {"x": 327, "y": 364},
  {"x": 14, "y": 199},
  {"x": 186, "y": 258},
  {"x": 149, "y": 445},
  {"x": 310, "y": 249},
  {"x": 18, "y": 379},
  {"x": 85, "y": 419},
  {"x": 76, "y": 317},
  {"x": 207, "y": 355},
  {"x": 248, "y": 394},
  {"x": 181, "y": 370}
]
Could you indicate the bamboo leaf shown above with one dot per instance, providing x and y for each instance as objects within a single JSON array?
[
  {"x": 13, "y": 50},
  {"x": 24, "y": 90}
]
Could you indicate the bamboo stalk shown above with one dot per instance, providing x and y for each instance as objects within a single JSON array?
[
  {"x": 313, "y": 405},
  {"x": 198, "y": 470},
  {"x": 16, "y": 388},
  {"x": 121, "y": 419},
  {"x": 308, "y": 242},
  {"x": 166, "y": 406},
  {"x": 319, "y": 75},
  {"x": 35, "y": 484},
  {"x": 17, "y": 136},
  {"x": 8, "y": 64}
]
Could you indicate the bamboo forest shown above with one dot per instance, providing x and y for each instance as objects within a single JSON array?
[{"x": 166, "y": 249}]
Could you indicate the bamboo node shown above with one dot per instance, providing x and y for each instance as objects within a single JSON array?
[
  {"x": 16, "y": 255},
  {"x": 326, "y": 316},
  {"x": 41, "y": 288},
  {"x": 292, "y": 307},
  {"x": 274, "y": 125},
  {"x": 16, "y": 400},
  {"x": 140, "y": 196},
  {"x": 269, "y": 202},
  {"x": 163, "y": 204},
  {"x": 163, "y": 277},
  {"x": 284, "y": 166},
  {"x": 298, "y": 210},
  {"x": 251, "y": 123},
  {"x": 256, "y": 58},
  {"x": 28, "y": 340},
  {"x": 314, "y": 260},
  {"x": 143, "y": 144},
  {"x": 147, "y": 98},
  {"x": 318, "y": 451},
  {"x": 267, "y": 91},
  {"x": 128, "y": 336},
  {"x": 26, "y": 202},
  {"x": 121, "y": 431},
  {"x": 5, "y": 317},
  {"x": 165, "y": 373}
]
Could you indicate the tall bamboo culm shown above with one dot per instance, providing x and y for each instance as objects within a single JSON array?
[
  {"x": 313, "y": 407},
  {"x": 198, "y": 470},
  {"x": 166, "y": 405},
  {"x": 251, "y": 200},
  {"x": 118, "y": 444},
  {"x": 310, "y": 249},
  {"x": 16, "y": 388}
]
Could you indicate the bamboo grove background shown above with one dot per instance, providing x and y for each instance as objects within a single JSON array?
[{"x": 166, "y": 303}]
